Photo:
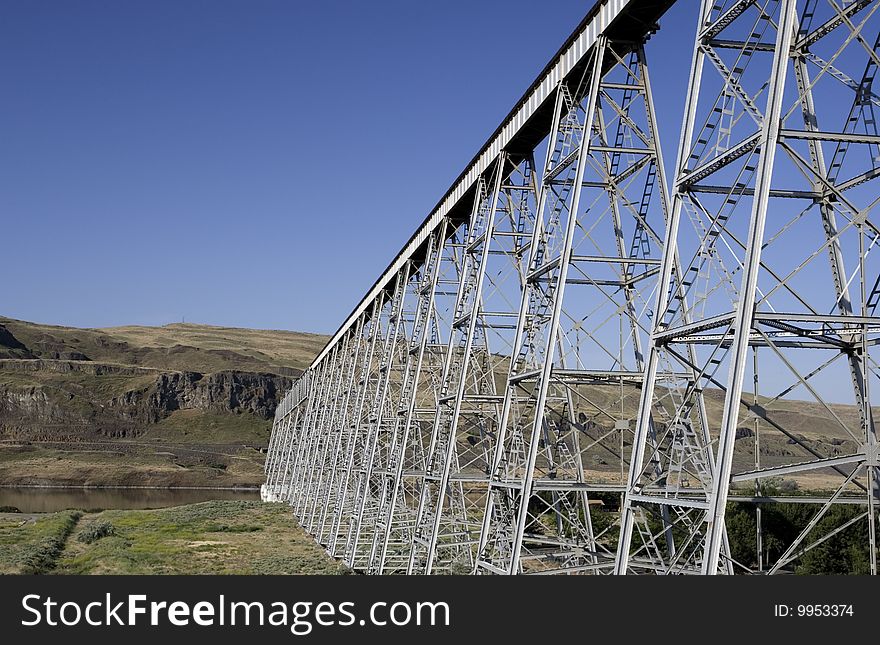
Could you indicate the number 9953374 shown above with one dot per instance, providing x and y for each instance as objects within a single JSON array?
[{"x": 823, "y": 610}]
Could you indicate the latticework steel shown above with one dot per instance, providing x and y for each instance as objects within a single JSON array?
[{"x": 578, "y": 366}]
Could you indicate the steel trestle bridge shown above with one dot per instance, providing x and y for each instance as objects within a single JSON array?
[{"x": 581, "y": 363}]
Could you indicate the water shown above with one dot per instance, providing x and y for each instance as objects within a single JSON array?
[{"x": 48, "y": 500}]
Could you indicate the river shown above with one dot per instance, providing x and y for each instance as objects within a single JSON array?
[{"x": 48, "y": 500}]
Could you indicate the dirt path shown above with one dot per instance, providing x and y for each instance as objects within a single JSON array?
[{"x": 64, "y": 540}]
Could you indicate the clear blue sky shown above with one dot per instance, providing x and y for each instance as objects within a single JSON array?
[{"x": 257, "y": 163}]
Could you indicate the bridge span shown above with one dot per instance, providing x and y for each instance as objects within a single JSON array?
[{"x": 584, "y": 362}]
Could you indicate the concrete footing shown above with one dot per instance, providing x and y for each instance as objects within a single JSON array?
[{"x": 273, "y": 493}]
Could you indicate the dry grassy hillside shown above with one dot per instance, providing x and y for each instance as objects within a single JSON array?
[
  {"x": 180, "y": 346},
  {"x": 182, "y": 405}
]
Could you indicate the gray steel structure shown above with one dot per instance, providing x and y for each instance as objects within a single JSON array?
[{"x": 550, "y": 377}]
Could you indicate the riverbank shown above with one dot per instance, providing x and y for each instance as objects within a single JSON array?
[
  {"x": 217, "y": 537},
  {"x": 51, "y": 499},
  {"x": 127, "y": 463}
]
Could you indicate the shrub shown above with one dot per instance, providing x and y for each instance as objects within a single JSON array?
[
  {"x": 95, "y": 531},
  {"x": 235, "y": 528}
]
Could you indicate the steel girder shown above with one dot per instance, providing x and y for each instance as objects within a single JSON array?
[
  {"x": 577, "y": 365},
  {"x": 563, "y": 339},
  {"x": 468, "y": 406},
  {"x": 776, "y": 285}
]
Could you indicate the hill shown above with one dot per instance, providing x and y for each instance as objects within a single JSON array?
[
  {"x": 191, "y": 405},
  {"x": 179, "y": 346},
  {"x": 179, "y": 405}
]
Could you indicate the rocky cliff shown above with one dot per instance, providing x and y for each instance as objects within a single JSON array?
[
  {"x": 222, "y": 392},
  {"x": 73, "y": 400},
  {"x": 181, "y": 405}
]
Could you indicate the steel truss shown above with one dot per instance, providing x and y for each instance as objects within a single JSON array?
[
  {"x": 773, "y": 222},
  {"x": 468, "y": 406},
  {"x": 572, "y": 384},
  {"x": 564, "y": 340}
]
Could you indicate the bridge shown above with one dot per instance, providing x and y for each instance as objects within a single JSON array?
[{"x": 582, "y": 362}]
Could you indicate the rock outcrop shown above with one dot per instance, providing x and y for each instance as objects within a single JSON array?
[
  {"x": 229, "y": 391},
  {"x": 68, "y": 400}
]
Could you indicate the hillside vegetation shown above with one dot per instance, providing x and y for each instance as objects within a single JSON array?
[
  {"x": 180, "y": 346},
  {"x": 219, "y": 537},
  {"x": 179, "y": 405}
]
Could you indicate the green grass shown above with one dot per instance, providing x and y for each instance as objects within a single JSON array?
[
  {"x": 195, "y": 426},
  {"x": 220, "y": 537},
  {"x": 31, "y": 544}
]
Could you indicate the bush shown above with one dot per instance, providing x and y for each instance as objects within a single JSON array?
[
  {"x": 788, "y": 486},
  {"x": 236, "y": 528},
  {"x": 95, "y": 531}
]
